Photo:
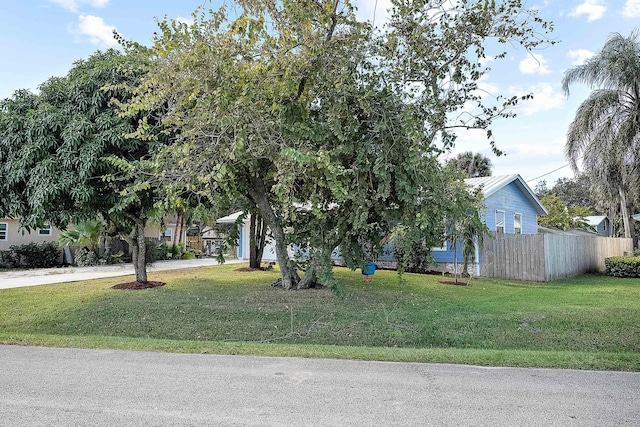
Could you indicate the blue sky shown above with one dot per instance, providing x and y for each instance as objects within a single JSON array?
[{"x": 42, "y": 38}]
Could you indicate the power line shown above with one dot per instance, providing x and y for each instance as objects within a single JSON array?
[
  {"x": 548, "y": 173},
  {"x": 555, "y": 170}
]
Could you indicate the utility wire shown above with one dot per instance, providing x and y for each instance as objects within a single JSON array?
[
  {"x": 548, "y": 173},
  {"x": 555, "y": 170}
]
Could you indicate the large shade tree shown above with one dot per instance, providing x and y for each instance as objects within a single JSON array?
[
  {"x": 330, "y": 127},
  {"x": 58, "y": 149},
  {"x": 605, "y": 133}
]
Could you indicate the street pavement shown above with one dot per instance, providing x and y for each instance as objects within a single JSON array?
[
  {"x": 76, "y": 387},
  {"x": 46, "y": 276}
]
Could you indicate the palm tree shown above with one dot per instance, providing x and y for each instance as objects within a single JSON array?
[
  {"x": 475, "y": 165},
  {"x": 605, "y": 132},
  {"x": 89, "y": 234}
]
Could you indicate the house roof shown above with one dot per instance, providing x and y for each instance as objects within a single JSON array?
[
  {"x": 229, "y": 219},
  {"x": 594, "y": 220},
  {"x": 572, "y": 232},
  {"x": 491, "y": 184}
]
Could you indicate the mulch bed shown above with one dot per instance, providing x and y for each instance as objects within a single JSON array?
[
  {"x": 453, "y": 283},
  {"x": 136, "y": 286}
]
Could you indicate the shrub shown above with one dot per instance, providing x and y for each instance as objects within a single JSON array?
[
  {"x": 155, "y": 251},
  {"x": 415, "y": 257},
  {"x": 31, "y": 255},
  {"x": 5, "y": 259},
  {"x": 622, "y": 266},
  {"x": 636, "y": 252},
  {"x": 85, "y": 257}
]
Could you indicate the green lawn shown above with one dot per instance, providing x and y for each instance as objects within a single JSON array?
[{"x": 591, "y": 322}]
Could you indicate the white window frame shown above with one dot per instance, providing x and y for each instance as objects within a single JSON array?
[
  {"x": 4, "y": 234},
  {"x": 442, "y": 248},
  {"x": 515, "y": 229},
  {"x": 167, "y": 233},
  {"x": 45, "y": 231},
  {"x": 504, "y": 220}
]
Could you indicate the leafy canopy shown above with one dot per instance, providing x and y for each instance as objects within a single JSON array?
[{"x": 330, "y": 127}]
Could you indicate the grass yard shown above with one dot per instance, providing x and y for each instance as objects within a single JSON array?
[{"x": 591, "y": 322}]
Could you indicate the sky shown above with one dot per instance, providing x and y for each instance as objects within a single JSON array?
[{"x": 42, "y": 38}]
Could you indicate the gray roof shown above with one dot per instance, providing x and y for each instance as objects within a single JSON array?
[
  {"x": 594, "y": 220},
  {"x": 230, "y": 219},
  {"x": 491, "y": 184},
  {"x": 572, "y": 232}
]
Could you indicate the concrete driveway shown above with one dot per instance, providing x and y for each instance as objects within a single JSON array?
[
  {"x": 46, "y": 276},
  {"x": 74, "y": 387}
]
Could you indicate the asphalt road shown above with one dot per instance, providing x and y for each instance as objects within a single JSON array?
[{"x": 71, "y": 387}]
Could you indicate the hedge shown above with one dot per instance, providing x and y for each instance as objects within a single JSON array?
[
  {"x": 622, "y": 266},
  {"x": 31, "y": 255}
]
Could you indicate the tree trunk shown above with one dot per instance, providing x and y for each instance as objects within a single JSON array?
[
  {"x": 258, "y": 193},
  {"x": 465, "y": 265},
  {"x": 140, "y": 265},
  {"x": 138, "y": 247},
  {"x": 625, "y": 213},
  {"x": 175, "y": 230},
  {"x": 181, "y": 229},
  {"x": 257, "y": 236},
  {"x": 107, "y": 247}
]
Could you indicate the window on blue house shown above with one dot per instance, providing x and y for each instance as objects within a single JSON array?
[
  {"x": 4, "y": 231},
  {"x": 441, "y": 248},
  {"x": 499, "y": 221},
  {"x": 517, "y": 223}
]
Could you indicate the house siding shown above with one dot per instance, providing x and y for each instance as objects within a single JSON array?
[
  {"x": 15, "y": 236},
  {"x": 509, "y": 200},
  {"x": 603, "y": 228}
]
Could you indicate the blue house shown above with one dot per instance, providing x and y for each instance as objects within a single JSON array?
[
  {"x": 600, "y": 224},
  {"x": 511, "y": 207}
]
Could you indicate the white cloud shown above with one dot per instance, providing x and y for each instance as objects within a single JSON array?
[
  {"x": 183, "y": 20},
  {"x": 95, "y": 28},
  {"x": 545, "y": 98},
  {"x": 594, "y": 9},
  {"x": 74, "y": 5},
  {"x": 373, "y": 10},
  {"x": 631, "y": 9},
  {"x": 579, "y": 56},
  {"x": 534, "y": 64}
]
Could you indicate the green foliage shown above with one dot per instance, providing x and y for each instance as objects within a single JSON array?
[
  {"x": 85, "y": 257},
  {"x": 622, "y": 266},
  {"x": 63, "y": 152},
  {"x": 86, "y": 233},
  {"x": 157, "y": 252},
  {"x": 474, "y": 165},
  {"x": 604, "y": 135},
  {"x": 560, "y": 216},
  {"x": 298, "y": 104},
  {"x": 412, "y": 256},
  {"x": 31, "y": 255},
  {"x": 177, "y": 250},
  {"x": 575, "y": 191}
]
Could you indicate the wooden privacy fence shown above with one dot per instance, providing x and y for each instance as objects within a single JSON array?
[{"x": 546, "y": 257}]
